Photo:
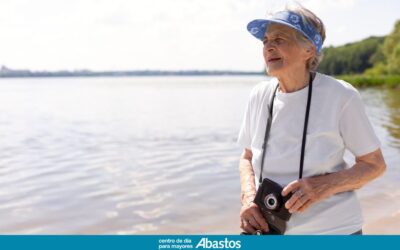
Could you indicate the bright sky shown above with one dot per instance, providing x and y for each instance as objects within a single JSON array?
[{"x": 163, "y": 34}]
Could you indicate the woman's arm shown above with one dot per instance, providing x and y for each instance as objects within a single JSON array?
[
  {"x": 314, "y": 189},
  {"x": 247, "y": 181},
  {"x": 367, "y": 168},
  {"x": 251, "y": 218}
]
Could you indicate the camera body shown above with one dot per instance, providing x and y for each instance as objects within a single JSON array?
[{"x": 272, "y": 205}]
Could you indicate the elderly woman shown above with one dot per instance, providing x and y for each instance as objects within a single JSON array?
[{"x": 295, "y": 131}]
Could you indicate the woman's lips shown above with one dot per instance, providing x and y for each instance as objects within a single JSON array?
[{"x": 274, "y": 59}]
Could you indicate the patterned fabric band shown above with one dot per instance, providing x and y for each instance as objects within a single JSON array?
[{"x": 258, "y": 27}]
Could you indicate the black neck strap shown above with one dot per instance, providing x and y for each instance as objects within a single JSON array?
[{"x": 268, "y": 129}]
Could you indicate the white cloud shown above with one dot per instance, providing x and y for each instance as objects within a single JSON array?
[
  {"x": 329, "y": 5},
  {"x": 151, "y": 34}
]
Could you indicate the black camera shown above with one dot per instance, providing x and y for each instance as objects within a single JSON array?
[{"x": 272, "y": 205}]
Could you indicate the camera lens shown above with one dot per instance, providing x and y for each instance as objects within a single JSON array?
[{"x": 271, "y": 201}]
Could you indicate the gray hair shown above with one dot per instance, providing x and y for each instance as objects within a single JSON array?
[{"x": 310, "y": 18}]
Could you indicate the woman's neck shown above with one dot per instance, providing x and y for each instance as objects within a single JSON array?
[{"x": 293, "y": 81}]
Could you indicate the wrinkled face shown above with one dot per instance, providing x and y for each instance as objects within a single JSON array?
[{"x": 282, "y": 52}]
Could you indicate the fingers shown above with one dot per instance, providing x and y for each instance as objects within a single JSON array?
[
  {"x": 252, "y": 219},
  {"x": 291, "y": 187},
  {"x": 261, "y": 221},
  {"x": 293, "y": 199},
  {"x": 299, "y": 203},
  {"x": 253, "y": 222},
  {"x": 305, "y": 206},
  {"x": 247, "y": 227}
]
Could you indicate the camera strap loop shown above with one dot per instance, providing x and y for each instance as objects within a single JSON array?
[{"x": 268, "y": 129}]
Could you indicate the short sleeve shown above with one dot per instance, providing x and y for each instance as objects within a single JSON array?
[
  {"x": 244, "y": 137},
  {"x": 356, "y": 129}
]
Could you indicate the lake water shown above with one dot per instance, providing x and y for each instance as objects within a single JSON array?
[{"x": 146, "y": 155}]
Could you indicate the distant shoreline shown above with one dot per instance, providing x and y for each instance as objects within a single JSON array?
[
  {"x": 8, "y": 73},
  {"x": 357, "y": 80}
]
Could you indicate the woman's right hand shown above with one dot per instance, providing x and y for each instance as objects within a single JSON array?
[{"x": 251, "y": 219}]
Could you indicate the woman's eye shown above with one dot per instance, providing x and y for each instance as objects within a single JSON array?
[{"x": 277, "y": 40}]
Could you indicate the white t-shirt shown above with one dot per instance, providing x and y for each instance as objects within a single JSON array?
[{"x": 337, "y": 121}]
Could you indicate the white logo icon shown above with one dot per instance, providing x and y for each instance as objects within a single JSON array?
[
  {"x": 294, "y": 18},
  {"x": 254, "y": 30},
  {"x": 317, "y": 39}
]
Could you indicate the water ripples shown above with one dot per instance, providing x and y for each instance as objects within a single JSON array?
[{"x": 86, "y": 171}]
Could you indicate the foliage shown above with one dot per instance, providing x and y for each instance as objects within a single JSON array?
[
  {"x": 373, "y": 61},
  {"x": 351, "y": 58}
]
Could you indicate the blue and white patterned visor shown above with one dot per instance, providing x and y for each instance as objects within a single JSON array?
[{"x": 258, "y": 27}]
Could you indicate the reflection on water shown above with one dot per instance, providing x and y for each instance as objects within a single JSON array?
[
  {"x": 143, "y": 155},
  {"x": 380, "y": 198},
  {"x": 392, "y": 101}
]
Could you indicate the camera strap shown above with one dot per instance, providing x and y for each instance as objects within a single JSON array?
[{"x": 268, "y": 129}]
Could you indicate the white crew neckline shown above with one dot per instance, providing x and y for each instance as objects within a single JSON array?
[{"x": 297, "y": 92}]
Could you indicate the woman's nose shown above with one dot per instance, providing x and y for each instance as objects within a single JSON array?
[{"x": 269, "y": 45}]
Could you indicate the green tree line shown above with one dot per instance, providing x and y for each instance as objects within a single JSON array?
[{"x": 371, "y": 56}]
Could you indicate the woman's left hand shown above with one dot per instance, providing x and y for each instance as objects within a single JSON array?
[
  {"x": 306, "y": 192},
  {"x": 313, "y": 189}
]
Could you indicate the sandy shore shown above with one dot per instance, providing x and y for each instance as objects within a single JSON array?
[
  {"x": 385, "y": 225},
  {"x": 381, "y": 213}
]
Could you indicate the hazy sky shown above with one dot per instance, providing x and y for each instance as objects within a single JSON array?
[{"x": 163, "y": 34}]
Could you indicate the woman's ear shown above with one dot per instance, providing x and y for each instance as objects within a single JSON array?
[{"x": 310, "y": 51}]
